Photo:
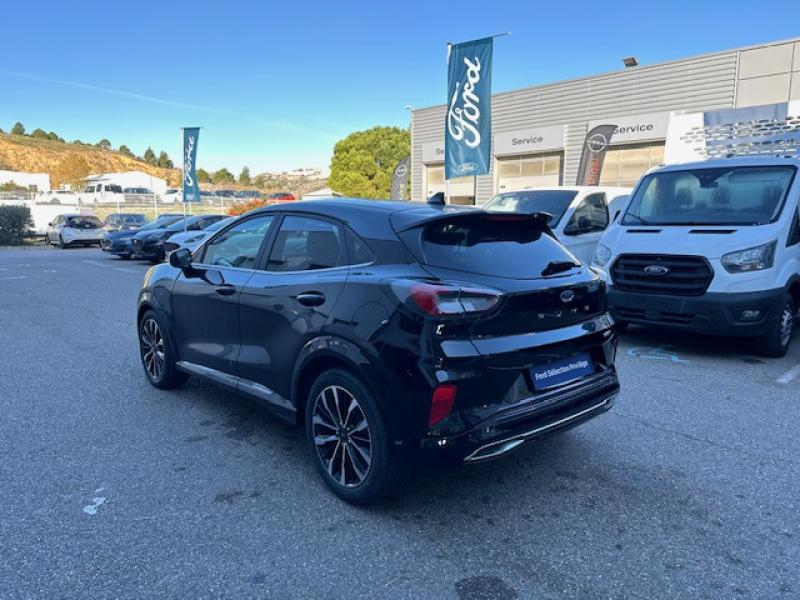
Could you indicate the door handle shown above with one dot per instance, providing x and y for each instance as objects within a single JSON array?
[
  {"x": 310, "y": 298},
  {"x": 225, "y": 289}
]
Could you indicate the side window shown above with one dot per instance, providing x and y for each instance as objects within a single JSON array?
[
  {"x": 89, "y": 189},
  {"x": 357, "y": 249},
  {"x": 239, "y": 245},
  {"x": 306, "y": 244},
  {"x": 590, "y": 215}
]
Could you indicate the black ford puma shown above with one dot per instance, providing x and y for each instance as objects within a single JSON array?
[{"x": 387, "y": 329}]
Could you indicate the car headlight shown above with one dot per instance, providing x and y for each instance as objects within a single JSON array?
[
  {"x": 757, "y": 258},
  {"x": 602, "y": 255}
]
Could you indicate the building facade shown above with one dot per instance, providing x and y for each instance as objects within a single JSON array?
[
  {"x": 36, "y": 182},
  {"x": 131, "y": 179},
  {"x": 538, "y": 131}
]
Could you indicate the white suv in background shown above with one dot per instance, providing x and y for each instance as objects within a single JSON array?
[{"x": 580, "y": 214}]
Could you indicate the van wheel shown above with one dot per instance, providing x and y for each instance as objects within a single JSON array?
[
  {"x": 776, "y": 342},
  {"x": 348, "y": 438},
  {"x": 61, "y": 243},
  {"x": 47, "y": 241}
]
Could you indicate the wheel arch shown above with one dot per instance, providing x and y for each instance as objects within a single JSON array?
[{"x": 331, "y": 352}]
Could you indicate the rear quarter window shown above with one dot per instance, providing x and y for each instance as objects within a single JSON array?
[{"x": 488, "y": 245}]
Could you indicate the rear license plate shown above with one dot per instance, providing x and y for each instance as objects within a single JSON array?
[{"x": 561, "y": 371}]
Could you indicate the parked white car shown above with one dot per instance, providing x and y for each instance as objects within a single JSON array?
[
  {"x": 171, "y": 196},
  {"x": 102, "y": 193},
  {"x": 580, "y": 214},
  {"x": 193, "y": 239},
  {"x": 710, "y": 247},
  {"x": 74, "y": 229}
]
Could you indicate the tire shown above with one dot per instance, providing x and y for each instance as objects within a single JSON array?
[
  {"x": 157, "y": 354},
  {"x": 47, "y": 241},
  {"x": 622, "y": 326},
  {"x": 775, "y": 343},
  {"x": 61, "y": 243},
  {"x": 372, "y": 466}
]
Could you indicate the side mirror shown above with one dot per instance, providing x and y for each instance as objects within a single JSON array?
[{"x": 181, "y": 259}]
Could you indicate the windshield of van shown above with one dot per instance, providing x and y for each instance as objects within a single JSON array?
[
  {"x": 555, "y": 202},
  {"x": 710, "y": 196}
]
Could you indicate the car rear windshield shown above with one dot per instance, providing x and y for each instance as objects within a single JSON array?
[
  {"x": 710, "y": 196},
  {"x": 84, "y": 222},
  {"x": 555, "y": 202},
  {"x": 134, "y": 218},
  {"x": 499, "y": 245}
]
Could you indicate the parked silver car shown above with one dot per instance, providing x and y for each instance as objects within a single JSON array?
[{"x": 193, "y": 239}]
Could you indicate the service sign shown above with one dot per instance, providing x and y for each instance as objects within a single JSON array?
[
  {"x": 191, "y": 187},
  {"x": 637, "y": 128},
  {"x": 527, "y": 141},
  {"x": 468, "y": 129}
]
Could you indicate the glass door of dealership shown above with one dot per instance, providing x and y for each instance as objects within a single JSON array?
[
  {"x": 462, "y": 189},
  {"x": 516, "y": 173},
  {"x": 624, "y": 165}
]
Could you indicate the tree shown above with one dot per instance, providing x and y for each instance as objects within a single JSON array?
[
  {"x": 363, "y": 162},
  {"x": 77, "y": 142},
  {"x": 104, "y": 143},
  {"x": 244, "y": 176},
  {"x": 18, "y": 129},
  {"x": 223, "y": 176},
  {"x": 125, "y": 151},
  {"x": 203, "y": 176},
  {"x": 72, "y": 169},
  {"x": 39, "y": 134},
  {"x": 149, "y": 156},
  {"x": 164, "y": 160},
  {"x": 55, "y": 137}
]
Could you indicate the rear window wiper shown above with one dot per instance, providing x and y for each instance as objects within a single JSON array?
[{"x": 559, "y": 266}]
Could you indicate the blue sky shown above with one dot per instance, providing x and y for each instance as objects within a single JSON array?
[{"x": 276, "y": 84}]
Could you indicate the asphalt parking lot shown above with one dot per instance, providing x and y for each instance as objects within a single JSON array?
[{"x": 688, "y": 488}]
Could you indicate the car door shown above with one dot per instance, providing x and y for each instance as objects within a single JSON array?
[
  {"x": 586, "y": 225},
  {"x": 205, "y": 298},
  {"x": 289, "y": 301}
]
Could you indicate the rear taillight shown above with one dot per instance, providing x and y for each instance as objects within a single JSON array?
[
  {"x": 445, "y": 299},
  {"x": 441, "y": 402}
]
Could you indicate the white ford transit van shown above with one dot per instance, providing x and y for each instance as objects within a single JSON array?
[{"x": 710, "y": 246}]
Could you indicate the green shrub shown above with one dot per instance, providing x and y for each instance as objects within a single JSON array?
[{"x": 15, "y": 221}]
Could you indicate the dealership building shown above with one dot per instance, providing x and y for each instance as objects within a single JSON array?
[{"x": 538, "y": 132}]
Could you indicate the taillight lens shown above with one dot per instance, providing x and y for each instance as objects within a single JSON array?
[
  {"x": 441, "y": 402},
  {"x": 446, "y": 299}
]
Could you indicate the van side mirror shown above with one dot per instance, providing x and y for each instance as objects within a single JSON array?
[
  {"x": 584, "y": 225},
  {"x": 181, "y": 259}
]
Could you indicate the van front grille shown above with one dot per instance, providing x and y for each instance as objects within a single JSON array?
[{"x": 662, "y": 274}]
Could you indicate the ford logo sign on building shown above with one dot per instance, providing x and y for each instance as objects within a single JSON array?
[{"x": 656, "y": 270}]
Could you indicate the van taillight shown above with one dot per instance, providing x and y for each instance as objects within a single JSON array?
[{"x": 444, "y": 396}]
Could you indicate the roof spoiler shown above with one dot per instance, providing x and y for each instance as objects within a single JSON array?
[{"x": 536, "y": 219}]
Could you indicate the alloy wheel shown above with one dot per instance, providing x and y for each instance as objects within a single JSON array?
[
  {"x": 342, "y": 436},
  {"x": 152, "y": 342}
]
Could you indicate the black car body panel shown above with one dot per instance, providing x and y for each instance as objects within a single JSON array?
[{"x": 269, "y": 333}]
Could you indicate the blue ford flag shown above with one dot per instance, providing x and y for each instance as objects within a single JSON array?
[
  {"x": 191, "y": 189},
  {"x": 468, "y": 134}
]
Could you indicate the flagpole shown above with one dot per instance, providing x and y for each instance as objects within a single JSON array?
[{"x": 183, "y": 178}]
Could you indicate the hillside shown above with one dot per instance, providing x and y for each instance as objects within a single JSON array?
[
  {"x": 68, "y": 163},
  {"x": 71, "y": 163}
]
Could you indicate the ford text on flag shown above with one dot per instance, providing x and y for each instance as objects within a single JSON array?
[
  {"x": 191, "y": 188},
  {"x": 468, "y": 133}
]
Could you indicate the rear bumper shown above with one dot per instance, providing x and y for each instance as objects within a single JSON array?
[
  {"x": 536, "y": 417},
  {"x": 712, "y": 313}
]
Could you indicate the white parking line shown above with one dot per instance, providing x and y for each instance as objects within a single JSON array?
[
  {"x": 15, "y": 277},
  {"x": 789, "y": 375},
  {"x": 96, "y": 263},
  {"x": 125, "y": 270}
]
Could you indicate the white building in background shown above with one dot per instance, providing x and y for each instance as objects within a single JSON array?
[
  {"x": 131, "y": 179},
  {"x": 36, "y": 182},
  {"x": 319, "y": 194}
]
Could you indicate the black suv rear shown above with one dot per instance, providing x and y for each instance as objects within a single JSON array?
[{"x": 387, "y": 329}]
